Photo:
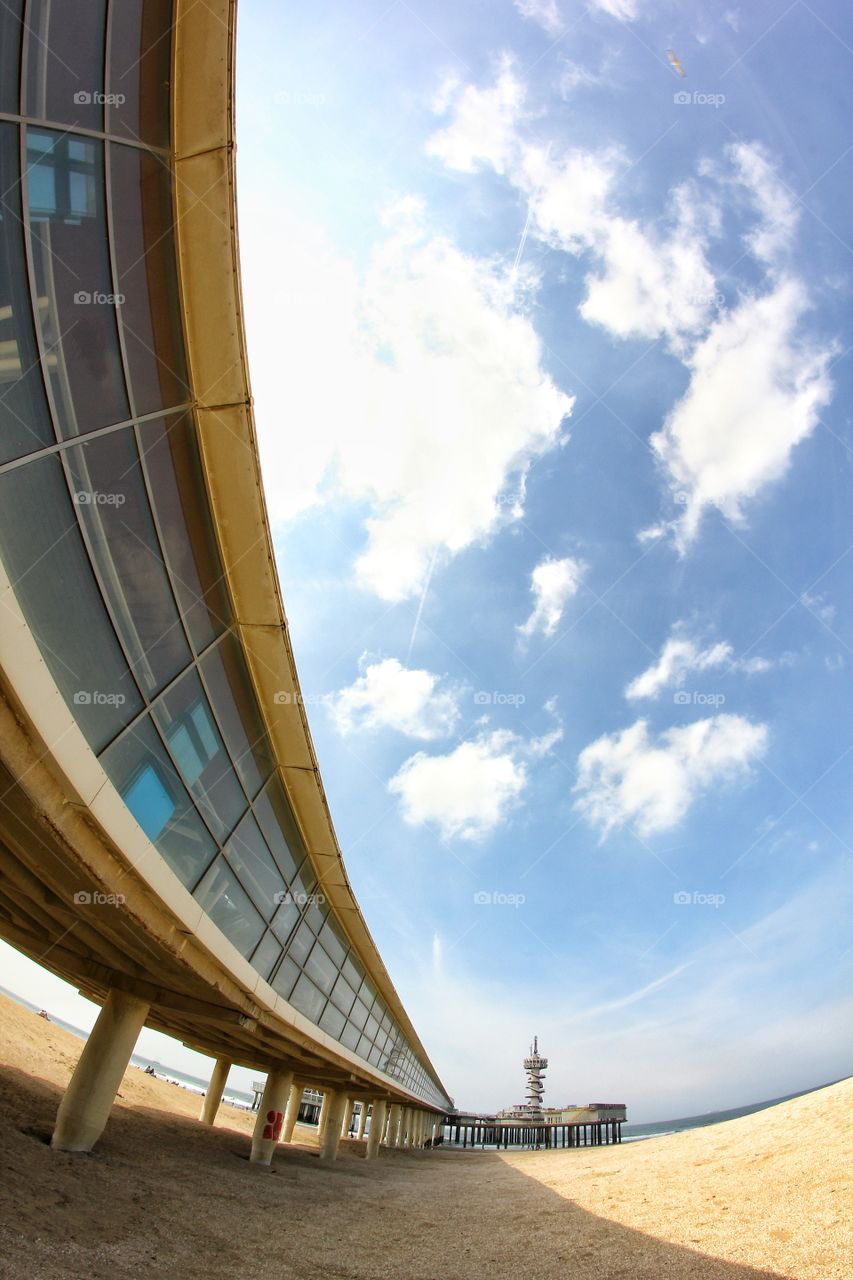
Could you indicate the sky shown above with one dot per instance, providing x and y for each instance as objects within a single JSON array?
[{"x": 546, "y": 305}]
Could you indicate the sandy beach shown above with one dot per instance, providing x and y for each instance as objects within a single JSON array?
[{"x": 768, "y": 1195}]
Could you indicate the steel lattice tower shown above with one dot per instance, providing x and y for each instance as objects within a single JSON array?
[{"x": 535, "y": 1066}]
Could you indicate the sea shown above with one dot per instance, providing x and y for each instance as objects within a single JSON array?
[
  {"x": 630, "y": 1132},
  {"x": 196, "y": 1085}
]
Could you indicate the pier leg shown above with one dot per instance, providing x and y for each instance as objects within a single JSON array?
[
  {"x": 377, "y": 1124},
  {"x": 87, "y": 1102},
  {"x": 270, "y": 1121},
  {"x": 215, "y": 1090},
  {"x": 323, "y": 1117},
  {"x": 394, "y": 1122},
  {"x": 347, "y": 1117},
  {"x": 291, "y": 1115},
  {"x": 332, "y": 1137},
  {"x": 362, "y": 1119}
]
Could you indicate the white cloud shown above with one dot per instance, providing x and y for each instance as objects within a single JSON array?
[
  {"x": 415, "y": 387},
  {"x": 681, "y": 656},
  {"x": 622, "y": 9},
  {"x": 553, "y": 583},
  {"x": 627, "y": 777},
  {"x": 755, "y": 392},
  {"x": 390, "y": 696},
  {"x": 545, "y": 12},
  {"x": 483, "y": 130},
  {"x": 469, "y": 792},
  {"x": 777, "y": 212}
]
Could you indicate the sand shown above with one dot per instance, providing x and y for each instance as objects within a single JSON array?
[{"x": 165, "y": 1198}]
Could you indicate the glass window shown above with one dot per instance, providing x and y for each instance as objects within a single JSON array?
[
  {"x": 144, "y": 249},
  {"x": 307, "y": 999},
  {"x": 284, "y": 920},
  {"x": 343, "y": 995},
  {"x": 146, "y": 779},
  {"x": 24, "y": 418},
  {"x": 11, "y": 29},
  {"x": 70, "y": 88},
  {"x": 284, "y": 978},
  {"x": 140, "y": 70},
  {"x": 184, "y": 717},
  {"x": 320, "y": 967},
  {"x": 364, "y": 1047},
  {"x": 229, "y": 907},
  {"x": 250, "y": 857},
  {"x": 49, "y": 569},
  {"x": 266, "y": 954},
  {"x": 349, "y": 1037},
  {"x": 370, "y": 1029},
  {"x": 353, "y": 971},
  {"x": 170, "y": 456},
  {"x": 77, "y": 310},
  {"x": 358, "y": 1014},
  {"x": 316, "y": 915},
  {"x": 374, "y": 1057},
  {"x": 332, "y": 938},
  {"x": 301, "y": 945},
  {"x": 368, "y": 992},
  {"x": 233, "y": 700},
  {"x": 332, "y": 1021},
  {"x": 112, "y": 507},
  {"x": 276, "y": 822}
]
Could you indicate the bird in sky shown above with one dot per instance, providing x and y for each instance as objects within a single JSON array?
[{"x": 676, "y": 62}]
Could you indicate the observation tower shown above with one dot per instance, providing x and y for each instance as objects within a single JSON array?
[{"x": 535, "y": 1066}]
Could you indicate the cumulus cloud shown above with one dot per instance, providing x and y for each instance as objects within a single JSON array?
[
  {"x": 681, "y": 656},
  {"x": 388, "y": 695},
  {"x": 756, "y": 391},
  {"x": 778, "y": 215},
  {"x": 629, "y": 777},
  {"x": 622, "y": 9},
  {"x": 469, "y": 792},
  {"x": 415, "y": 387},
  {"x": 482, "y": 132},
  {"x": 544, "y": 12},
  {"x": 553, "y": 583}
]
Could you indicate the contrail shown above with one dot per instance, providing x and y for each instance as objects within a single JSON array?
[
  {"x": 522, "y": 242},
  {"x": 421, "y": 605}
]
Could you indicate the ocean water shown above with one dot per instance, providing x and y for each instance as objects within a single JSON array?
[
  {"x": 633, "y": 1132},
  {"x": 235, "y": 1096}
]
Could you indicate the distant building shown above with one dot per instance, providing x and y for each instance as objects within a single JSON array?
[{"x": 532, "y": 1111}]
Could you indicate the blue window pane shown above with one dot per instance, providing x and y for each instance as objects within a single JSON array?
[
  {"x": 146, "y": 779},
  {"x": 187, "y": 724},
  {"x": 250, "y": 857}
]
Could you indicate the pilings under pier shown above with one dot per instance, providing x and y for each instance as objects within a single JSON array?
[{"x": 462, "y": 1133}]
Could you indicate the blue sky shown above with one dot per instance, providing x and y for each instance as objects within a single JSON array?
[{"x": 548, "y": 349}]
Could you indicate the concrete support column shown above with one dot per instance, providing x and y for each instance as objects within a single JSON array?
[
  {"x": 347, "y": 1120},
  {"x": 292, "y": 1113},
  {"x": 420, "y": 1124},
  {"x": 87, "y": 1102},
  {"x": 338, "y": 1103},
  {"x": 215, "y": 1090},
  {"x": 394, "y": 1121},
  {"x": 362, "y": 1119},
  {"x": 323, "y": 1117},
  {"x": 270, "y": 1119},
  {"x": 377, "y": 1125},
  {"x": 406, "y": 1128}
]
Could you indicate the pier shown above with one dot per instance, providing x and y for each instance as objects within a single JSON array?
[{"x": 486, "y": 1131}]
